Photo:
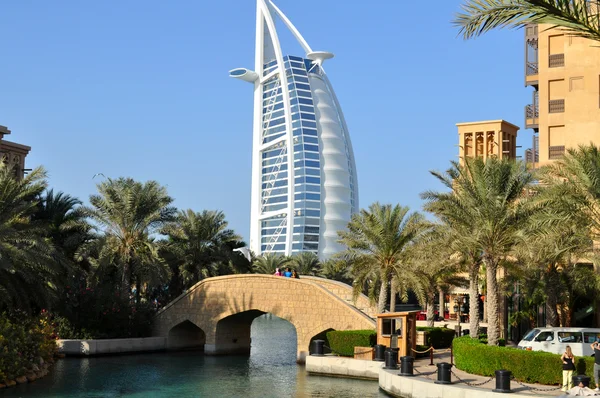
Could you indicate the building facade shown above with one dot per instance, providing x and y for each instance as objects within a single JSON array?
[
  {"x": 304, "y": 185},
  {"x": 497, "y": 138},
  {"x": 12, "y": 153},
  {"x": 564, "y": 72}
]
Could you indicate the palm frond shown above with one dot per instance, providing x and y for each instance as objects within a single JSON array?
[{"x": 575, "y": 17}]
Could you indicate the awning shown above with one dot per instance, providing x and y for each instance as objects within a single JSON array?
[{"x": 458, "y": 290}]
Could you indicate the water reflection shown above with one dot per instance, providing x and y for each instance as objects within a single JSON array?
[{"x": 270, "y": 371}]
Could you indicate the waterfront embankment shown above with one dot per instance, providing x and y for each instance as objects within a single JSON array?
[
  {"x": 423, "y": 383},
  {"x": 110, "y": 346}
]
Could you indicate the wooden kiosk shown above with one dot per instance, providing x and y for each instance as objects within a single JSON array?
[{"x": 398, "y": 330}]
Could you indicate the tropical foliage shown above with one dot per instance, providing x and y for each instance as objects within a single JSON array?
[
  {"x": 104, "y": 269},
  {"x": 490, "y": 198},
  {"x": 377, "y": 240},
  {"x": 28, "y": 264},
  {"x": 199, "y": 245},
  {"x": 575, "y": 17},
  {"x": 25, "y": 344}
]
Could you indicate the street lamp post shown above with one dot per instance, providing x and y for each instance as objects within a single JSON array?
[{"x": 458, "y": 301}]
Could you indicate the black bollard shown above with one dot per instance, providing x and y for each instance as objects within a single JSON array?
[
  {"x": 379, "y": 353},
  {"x": 581, "y": 379},
  {"x": 396, "y": 352},
  {"x": 390, "y": 359},
  {"x": 502, "y": 381},
  {"x": 318, "y": 348},
  {"x": 443, "y": 373},
  {"x": 406, "y": 365}
]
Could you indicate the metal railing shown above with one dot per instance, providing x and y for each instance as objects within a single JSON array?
[
  {"x": 556, "y": 60},
  {"x": 556, "y": 106},
  {"x": 556, "y": 152},
  {"x": 531, "y": 68}
]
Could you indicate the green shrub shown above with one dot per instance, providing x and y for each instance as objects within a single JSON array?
[
  {"x": 472, "y": 356},
  {"x": 342, "y": 342},
  {"x": 23, "y": 340},
  {"x": 438, "y": 337},
  {"x": 483, "y": 339}
]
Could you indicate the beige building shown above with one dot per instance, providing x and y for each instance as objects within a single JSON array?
[
  {"x": 12, "y": 153},
  {"x": 491, "y": 138},
  {"x": 565, "y": 107}
]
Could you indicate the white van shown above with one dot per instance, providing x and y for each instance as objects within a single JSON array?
[{"x": 556, "y": 340}]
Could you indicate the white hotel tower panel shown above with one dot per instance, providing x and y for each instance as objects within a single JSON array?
[{"x": 304, "y": 186}]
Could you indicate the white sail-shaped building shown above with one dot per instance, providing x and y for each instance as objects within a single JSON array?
[{"x": 304, "y": 186}]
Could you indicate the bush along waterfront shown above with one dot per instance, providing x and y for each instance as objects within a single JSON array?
[
  {"x": 475, "y": 357},
  {"x": 27, "y": 347},
  {"x": 343, "y": 342},
  {"x": 437, "y": 337}
]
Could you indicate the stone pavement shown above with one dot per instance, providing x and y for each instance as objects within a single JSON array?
[{"x": 423, "y": 368}]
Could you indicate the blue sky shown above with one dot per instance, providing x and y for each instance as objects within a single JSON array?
[{"x": 141, "y": 89}]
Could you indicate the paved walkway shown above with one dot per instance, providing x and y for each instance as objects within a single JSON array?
[{"x": 423, "y": 368}]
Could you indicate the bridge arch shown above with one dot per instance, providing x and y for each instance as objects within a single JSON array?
[
  {"x": 224, "y": 308},
  {"x": 186, "y": 335}
]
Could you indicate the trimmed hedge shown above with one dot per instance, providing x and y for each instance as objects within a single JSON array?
[
  {"x": 437, "y": 337},
  {"x": 342, "y": 342},
  {"x": 540, "y": 367}
]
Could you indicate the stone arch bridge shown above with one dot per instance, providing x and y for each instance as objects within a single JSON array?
[{"x": 216, "y": 313}]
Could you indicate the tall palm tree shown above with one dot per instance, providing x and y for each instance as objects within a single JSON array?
[
  {"x": 127, "y": 213},
  {"x": 432, "y": 263},
  {"x": 576, "y": 17},
  {"x": 488, "y": 197},
  {"x": 67, "y": 228},
  {"x": 200, "y": 244},
  {"x": 458, "y": 233},
  {"x": 27, "y": 260},
  {"x": 376, "y": 242},
  {"x": 268, "y": 262},
  {"x": 548, "y": 252},
  {"x": 306, "y": 263},
  {"x": 571, "y": 191}
]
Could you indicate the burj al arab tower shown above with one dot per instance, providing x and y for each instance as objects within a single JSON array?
[{"x": 304, "y": 187}]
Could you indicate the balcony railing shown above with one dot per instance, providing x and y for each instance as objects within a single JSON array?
[
  {"x": 556, "y": 152},
  {"x": 556, "y": 60},
  {"x": 556, "y": 106},
  {"x": 532, "y": 112},
  {"x": 531, "y": 68}
]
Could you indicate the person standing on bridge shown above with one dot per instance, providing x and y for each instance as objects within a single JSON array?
[
  {"x": 295, "y": 274},
  {"x": 277, "y": 272},
  {"x": 287, "y": 273}
]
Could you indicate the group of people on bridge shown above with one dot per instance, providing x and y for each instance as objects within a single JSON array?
[{"x": 287, "y": 273}]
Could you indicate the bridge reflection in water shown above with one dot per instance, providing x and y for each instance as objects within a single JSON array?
[{"x": 216, "y": 313}]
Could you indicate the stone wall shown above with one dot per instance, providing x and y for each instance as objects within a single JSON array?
[
  {"x": 110, "y": 346},
  {"x": 343, "y": 367}
]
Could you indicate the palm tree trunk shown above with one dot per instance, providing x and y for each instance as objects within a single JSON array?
[
  {"x": 474, "y": 301},
  {"x": 430, "y": 307},
  {"x": 392, "y": 297},
  {"x": 382, "y": 294},
  {"x": 493, "y": 330},
  {"x": 485, "y": 315},
  {"x": 138, "y": 292},
  {"x": 551, "y": 311},
  {"x": 441, "y": 306},
  {"x": 552, "y": 282}
]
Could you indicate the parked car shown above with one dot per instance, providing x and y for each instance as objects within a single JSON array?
[{"x": 556, "y": 340}]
